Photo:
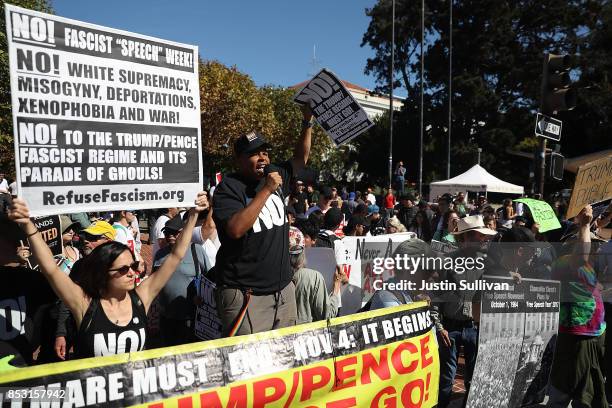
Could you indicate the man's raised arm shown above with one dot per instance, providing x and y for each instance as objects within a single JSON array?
[{"x": 302, "y": 148}]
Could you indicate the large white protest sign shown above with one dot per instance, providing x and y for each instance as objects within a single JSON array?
[
  {"x": 103, "y": 119},
  {"x": 334, "y": 107},
  {"x": 361, "y": 253}
]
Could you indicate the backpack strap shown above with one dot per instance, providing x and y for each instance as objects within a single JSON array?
[{"x": 196, "y": 263}]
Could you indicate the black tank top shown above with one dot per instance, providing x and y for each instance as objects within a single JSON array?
[{"x": 98, "y": 336}]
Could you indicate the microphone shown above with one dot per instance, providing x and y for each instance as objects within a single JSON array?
[{"x": 271, "y": 168}]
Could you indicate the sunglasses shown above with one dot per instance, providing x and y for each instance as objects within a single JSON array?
[
  {"x": 92, "y": 238},
  {"x": 126, "y": 268},
  {"x": 170, "y": 232}
]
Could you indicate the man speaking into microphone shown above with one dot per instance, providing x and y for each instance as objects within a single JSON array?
[{"x": 253, "y": 275}]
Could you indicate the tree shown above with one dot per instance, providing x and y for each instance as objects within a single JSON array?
[
  {"x": 231, "y": 105},
  {"x": 7, "y": 152},
  {"x": 498, "y": 47},
  {"x": 287, "y": 118}
]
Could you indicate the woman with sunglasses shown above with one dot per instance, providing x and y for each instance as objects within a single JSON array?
[
  {"x": 110, "y": 313},
  {"x": 69, "y": 253}
]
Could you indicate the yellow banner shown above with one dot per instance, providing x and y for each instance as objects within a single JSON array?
[
  {"x": 402, "y": 374},
  {"x": 386, "y": 357}
]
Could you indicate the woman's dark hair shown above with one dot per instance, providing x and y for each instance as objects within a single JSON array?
[
  {"x": 91, "y": 273},
  {"x": 425, "y": 226},
  {"x": 446, "y": 217}
]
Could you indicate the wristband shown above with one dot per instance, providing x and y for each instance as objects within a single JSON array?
[
  {"x": 32, "y": 234},
  {"x": 307, "y": 124}
]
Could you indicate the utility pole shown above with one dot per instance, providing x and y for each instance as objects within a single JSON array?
[
  {"x": 422, "y": 106},
  {"x": 450, "y": 87},
  {"x": 391, "y": 93}
]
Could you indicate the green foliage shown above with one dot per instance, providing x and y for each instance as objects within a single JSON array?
[
  {"x": 498, "y": 48},
  {"x": 7, "y": 153},
  {"x": 232, "y": 105}
]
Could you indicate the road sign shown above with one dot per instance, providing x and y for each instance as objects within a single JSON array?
[{"x": 547, "y": 127}]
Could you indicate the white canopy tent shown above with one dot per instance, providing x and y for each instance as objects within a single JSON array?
[{"x": 475, "y": 179}]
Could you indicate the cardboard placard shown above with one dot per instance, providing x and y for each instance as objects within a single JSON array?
[
  {"x": 593, "y": 183},
  {"x": 542, "y": 214}
]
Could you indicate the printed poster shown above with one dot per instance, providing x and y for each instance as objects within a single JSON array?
[
  {"x": 334, "y": 108},
  {"x": 103, "y": 119},
  {"x": 516, "y": 326}
]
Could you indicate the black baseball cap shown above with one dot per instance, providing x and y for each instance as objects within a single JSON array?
[
  {"x": 174, "y": 224},
  {"x": 249, "y": 143}
]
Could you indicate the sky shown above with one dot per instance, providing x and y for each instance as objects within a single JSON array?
[{"x": 270, "y": 40}]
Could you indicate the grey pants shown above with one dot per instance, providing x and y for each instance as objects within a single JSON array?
[{"x": 265, "y": 312}]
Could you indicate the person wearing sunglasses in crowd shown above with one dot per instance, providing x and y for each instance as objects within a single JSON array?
[
  {"x": 70, "y": 254},
  {"x": 110, "y": 314},
  {"x": 98, "y": 233}
]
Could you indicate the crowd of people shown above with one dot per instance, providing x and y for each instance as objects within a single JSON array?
[{"x": 249, "y": 234}]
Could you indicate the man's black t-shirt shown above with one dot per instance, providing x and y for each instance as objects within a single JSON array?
[
  {"x": 300, "y": 206},
  {"x": 260, "y": 259},
  {"x": 24, "y": 293}
]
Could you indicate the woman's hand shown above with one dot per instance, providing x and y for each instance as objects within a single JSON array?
[
  {"x": 19, "y": 212},
  {"x": 201, "y": 202}
]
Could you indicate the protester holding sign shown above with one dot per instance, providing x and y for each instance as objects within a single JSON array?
[
  {"x": 24, "y": 293},
  {"x": 253, "y": 270},
  {"x": 110, "y": 314},
  {"x": 177, "y": 308},
  {"x": 576, "y": 374}
]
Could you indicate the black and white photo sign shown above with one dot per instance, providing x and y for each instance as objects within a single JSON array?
[
  {"x": 103, "y": 119},
  {"x": 335, "y": 109}
]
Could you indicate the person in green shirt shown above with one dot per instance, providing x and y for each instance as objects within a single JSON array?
[
  {"x": 461, "y": 205},
  {"x": 448, "y": 226}
]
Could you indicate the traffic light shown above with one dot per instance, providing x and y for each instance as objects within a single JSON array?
[
  {"x": 556, "y": 166},
  {"x": 556, "y": 93}
]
